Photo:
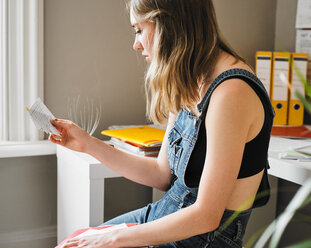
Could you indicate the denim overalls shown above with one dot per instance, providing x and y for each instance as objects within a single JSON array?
[{"x": 181, "y": 140}]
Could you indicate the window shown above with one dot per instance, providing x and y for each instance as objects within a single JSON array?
[{"x": 21, "y": 67}]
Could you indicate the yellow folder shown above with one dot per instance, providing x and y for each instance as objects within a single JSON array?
[
  {"x": 144, "y": 135},
  {"x": 279, "y": 87},
  {"x": 295, "y": 107},
  {"x": 263, "y": 68}
]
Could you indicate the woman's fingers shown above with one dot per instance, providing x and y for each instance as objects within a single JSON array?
[
  {"x": 55, "y": 139},
  {"x": 54, "y": 122},
  {"x": 71, "y": 243},
  {"x": 59, "y": 124}
]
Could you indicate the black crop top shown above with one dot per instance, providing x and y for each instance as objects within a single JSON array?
[{"x": 255, "y": 152}]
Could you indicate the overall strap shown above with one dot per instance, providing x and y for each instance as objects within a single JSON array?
[{"x": 243, "y": 74}]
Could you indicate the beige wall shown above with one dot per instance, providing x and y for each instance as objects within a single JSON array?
[
  {"x": 88, "y": 52},
  {"x": 28, "y": 202},
  {"x": 285, "y": 32},
  {"x": 248, "y": 26}
]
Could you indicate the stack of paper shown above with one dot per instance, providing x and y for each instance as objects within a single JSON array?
[
  {"x": 139, "y": 140},
  {"x": 294, "y": 149},
  {"x": 300, "y": 153},
  {"x": 135, "y": 148}
]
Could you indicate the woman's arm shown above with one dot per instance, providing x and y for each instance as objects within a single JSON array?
[
  {"x": 148, "y": 171},
  {"x": 228, "y": 121}
]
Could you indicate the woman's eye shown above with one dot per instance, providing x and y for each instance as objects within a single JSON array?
[{"x": 138, "y": 31}]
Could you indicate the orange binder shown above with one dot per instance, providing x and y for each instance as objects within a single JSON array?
[
  {"x": 279, "y": 89},
  {"x": 295, "y": 107}
]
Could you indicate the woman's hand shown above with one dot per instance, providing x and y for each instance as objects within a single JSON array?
[
  {"x": 71, "y": 136},
  {"x": 92, "y": 241}
]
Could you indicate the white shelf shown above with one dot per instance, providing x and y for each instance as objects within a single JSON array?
[{"x": 26, "y": 149}]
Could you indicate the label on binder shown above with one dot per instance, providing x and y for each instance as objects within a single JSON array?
[{"x": 263, "y": 68}]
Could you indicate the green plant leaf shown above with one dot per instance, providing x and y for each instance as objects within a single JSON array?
[
  {"x": 277, "y": 227},
  {"x": 302, "y": 79},
  {"x": 306, "y": 202},
  {"x": 304, "y": 101},
  {"x": 299, "y": 198},
  {"x": 244, "y": 205},
  {"x": 303, "y": 244},
  {"x": 250, "y": 243}
]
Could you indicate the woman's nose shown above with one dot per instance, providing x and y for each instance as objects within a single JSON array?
[{"x": 137, "y": 45}]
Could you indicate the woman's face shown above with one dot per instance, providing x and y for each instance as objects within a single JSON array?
[{"x": 144, "y": 32}]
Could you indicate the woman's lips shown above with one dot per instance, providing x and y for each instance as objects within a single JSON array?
[{"x": 146, "y": 57}]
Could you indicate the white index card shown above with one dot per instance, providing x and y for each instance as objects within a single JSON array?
[{"x": 42, "y": 116}]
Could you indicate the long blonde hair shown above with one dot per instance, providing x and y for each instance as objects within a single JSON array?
[{"x": 186, "y": 44}]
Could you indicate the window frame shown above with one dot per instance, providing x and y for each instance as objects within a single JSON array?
[{"x": 21, "y": 67}]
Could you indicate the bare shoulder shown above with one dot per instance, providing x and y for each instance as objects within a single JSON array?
[
  {"x": 234, "y": 101},
  {"x": 237, "y": 102},
  {"x": 235, "y": 90}
]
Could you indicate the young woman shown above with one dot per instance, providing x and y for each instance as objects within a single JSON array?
[{"x": 213, "y": 160}]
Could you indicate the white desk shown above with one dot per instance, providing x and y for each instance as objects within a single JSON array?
[
  {"x": 290, "y": 170},
  {"x": 80, "y": 191},
  {"x": 80, "y": 186}
]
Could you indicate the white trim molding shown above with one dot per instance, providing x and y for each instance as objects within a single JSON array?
[
  {"x": 13, "y": 149},
  {"x": 3, "y": 70},
  {"x": 21, "y": 67}
]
